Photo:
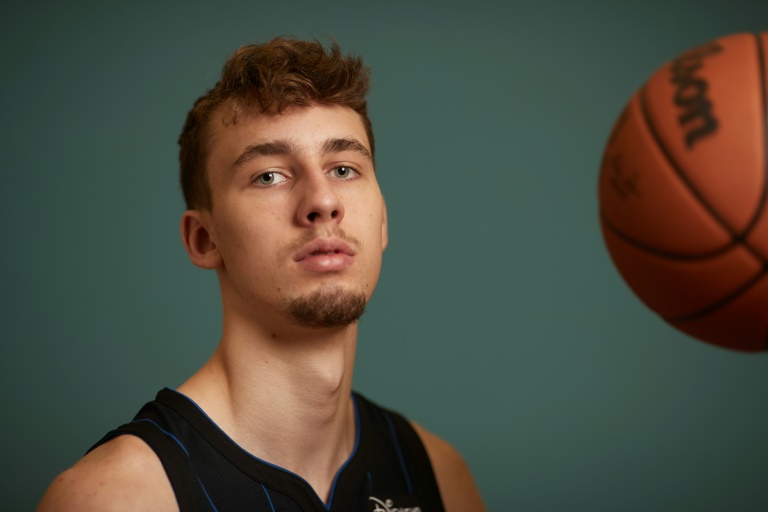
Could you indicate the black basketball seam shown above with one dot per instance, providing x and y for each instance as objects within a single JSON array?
[
  {"x": 761, "y": 204},
  {"x": 738, "y": 239},
  {"x": 635, "y": 242},
  {"x": 661, "y": 253},
  {"x": 741, "y": 240},
  {"x": 764, "y": 110},
  {"x": 706, "y": 309},
  {"x": 720, "y": 302},
  {"x": 677, "y": 168}
]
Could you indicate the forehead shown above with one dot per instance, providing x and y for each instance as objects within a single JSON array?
[{"x": 307, "y": 128}]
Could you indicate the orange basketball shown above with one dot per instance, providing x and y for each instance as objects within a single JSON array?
[{"x": 683, "y": 193}]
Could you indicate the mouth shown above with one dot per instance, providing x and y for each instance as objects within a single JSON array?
[{"x": 324, "y": 247}]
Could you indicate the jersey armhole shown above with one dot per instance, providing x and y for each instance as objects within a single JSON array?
[
  {"x": 415, "y": 453},
  {"x": 175, "y": 461}
]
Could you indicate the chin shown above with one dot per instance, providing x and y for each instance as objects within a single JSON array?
[{"x": 328, "y": 306}]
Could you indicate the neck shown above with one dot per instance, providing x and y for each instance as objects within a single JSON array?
[{"x": 283, "y": 398}]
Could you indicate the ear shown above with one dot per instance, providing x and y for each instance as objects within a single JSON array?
[
  {"x": 384, "y": 225},
  {"x": 198, "y": 239}
]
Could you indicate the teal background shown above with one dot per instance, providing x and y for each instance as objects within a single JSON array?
[{"x": 499, "y": 322}]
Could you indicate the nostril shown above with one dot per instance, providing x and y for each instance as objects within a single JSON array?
[
  {"x": 334, "y": 213},
  {"x": 312, "y": 216}
]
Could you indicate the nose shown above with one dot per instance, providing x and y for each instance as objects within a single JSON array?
[{"x": 320, "y": 202}]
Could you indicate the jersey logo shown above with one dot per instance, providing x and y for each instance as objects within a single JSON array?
[{"x": 388, "y": 505}]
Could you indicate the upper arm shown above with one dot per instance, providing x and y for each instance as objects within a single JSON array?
[
  {"x": 457, "y": 487},
  {"x": 123, "y": 474}
]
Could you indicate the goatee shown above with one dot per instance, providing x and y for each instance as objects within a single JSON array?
[{"x": 327, "y": 307}]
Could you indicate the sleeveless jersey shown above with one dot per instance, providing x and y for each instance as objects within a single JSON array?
[{"x": 388, "y": 470}]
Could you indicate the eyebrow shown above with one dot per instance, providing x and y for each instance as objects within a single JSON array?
[
  {"x": 287, "y": 147},
  {"x": 275, "y": 147},
  {"x": 345, "y": 144}
]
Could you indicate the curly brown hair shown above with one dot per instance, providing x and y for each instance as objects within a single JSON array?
[{"x": 269, "y": 78}]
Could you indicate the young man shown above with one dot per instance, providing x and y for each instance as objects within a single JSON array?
[{"x": 277, "y": 168}]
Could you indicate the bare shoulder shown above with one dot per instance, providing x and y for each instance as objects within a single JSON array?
[
  {"x": 457, "y": 487},
  {"x": 121, "y": 475}
]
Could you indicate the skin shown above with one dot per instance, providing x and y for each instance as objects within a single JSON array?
[{"x": 277, "y": 184}]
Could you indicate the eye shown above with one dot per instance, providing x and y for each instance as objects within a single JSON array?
[
  {"x": 343, "y": 172},
  {"x": 269, "y": 178}
]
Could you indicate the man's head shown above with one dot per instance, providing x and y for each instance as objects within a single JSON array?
[
  {"x": 278, "y": 173},
  {"x": 269, "y": 78}
]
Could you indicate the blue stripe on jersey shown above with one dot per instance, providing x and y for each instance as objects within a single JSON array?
[
  {"x": 206, "y": 495},
  {"x": 399, "y": 452},
  {"x": 268, "y": 498},
  {"x": 161, "y": 429}
]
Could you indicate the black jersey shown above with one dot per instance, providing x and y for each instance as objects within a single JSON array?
[{"x": 388, "y": 471}]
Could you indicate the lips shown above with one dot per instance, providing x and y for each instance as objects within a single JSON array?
[
  {"x": 324, "y": 246},
  {"x": 325, "y": 255}
]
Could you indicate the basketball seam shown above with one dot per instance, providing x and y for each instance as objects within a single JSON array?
[
  {"x": 761, "y": 204},
  {"x": 719, "y": 303},
  {"x": 764, "y": 90},
  {"x": 661, "y": 253},
  {"x": 677, "y": 168},
  {"x": 644, "y": 118},
  {"x": 737, "y": 239},
  {"x": 764, "y": 110}
]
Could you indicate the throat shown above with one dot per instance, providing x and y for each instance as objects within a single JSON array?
[
  {"x": 321, "y": 472},
  {"x": 312, "y": 444},
  {"x": 284, "y": 399}
]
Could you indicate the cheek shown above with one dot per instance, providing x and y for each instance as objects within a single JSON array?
[
  {"x": 240, "y": 243},
  {"x": 375, "y": 227}
]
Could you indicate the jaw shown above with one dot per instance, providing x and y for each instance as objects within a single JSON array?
[{"x": 330, "y": 306}]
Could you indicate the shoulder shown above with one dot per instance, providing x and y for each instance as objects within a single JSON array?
[
  {"x": 121, "y": 475},
  {"x": 457, "y": 487}
]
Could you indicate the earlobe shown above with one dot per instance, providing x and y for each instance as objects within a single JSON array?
[
  {"x": 384, "y": 226},
  {"x": 198, "y": 240}
]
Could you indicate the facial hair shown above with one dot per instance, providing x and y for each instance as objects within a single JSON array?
[{"x": 327, "y": 307}]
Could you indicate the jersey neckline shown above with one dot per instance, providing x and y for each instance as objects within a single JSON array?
[{"x": 272, "y": 475}]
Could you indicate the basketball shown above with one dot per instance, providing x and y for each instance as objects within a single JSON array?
[{"x": 682, "y": 193}]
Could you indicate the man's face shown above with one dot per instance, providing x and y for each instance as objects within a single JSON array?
[{"x": 298, "y": 220}]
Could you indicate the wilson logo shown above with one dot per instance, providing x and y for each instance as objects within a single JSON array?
[{"x": 697, "y": 117}]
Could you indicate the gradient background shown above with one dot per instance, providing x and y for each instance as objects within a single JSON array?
[{"x": 499, "y": 323}]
